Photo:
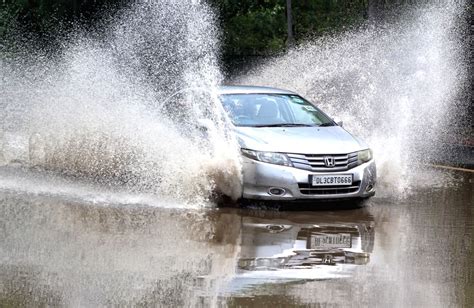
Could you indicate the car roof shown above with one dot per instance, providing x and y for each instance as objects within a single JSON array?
[{"x": 251, "y": 90}]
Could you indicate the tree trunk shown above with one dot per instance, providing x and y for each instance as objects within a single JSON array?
[{"x": 289, "y": 21}]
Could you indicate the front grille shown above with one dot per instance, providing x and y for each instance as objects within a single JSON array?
[
  {"x": 308, "y": 189},
  {"x": 315, "y": 162}
]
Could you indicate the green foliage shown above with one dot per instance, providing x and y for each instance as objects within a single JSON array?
[
  {"x": 44, "y": 24},
  {"x": 258, "y": 27},
  {"x": 249, "y": 27},
  {"x": 319, "y": 17},
  {"x": 256, "y": 31},
  {"x": 8, "y": 14}
]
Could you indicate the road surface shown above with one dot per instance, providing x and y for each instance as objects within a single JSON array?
[{"x": 67, "y": 245}]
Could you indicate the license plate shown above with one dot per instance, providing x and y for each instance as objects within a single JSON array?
[
  {"x": 332, "y": 180},
  {"x": 331, "y": 240}
]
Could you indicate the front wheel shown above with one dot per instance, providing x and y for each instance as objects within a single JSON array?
[{"x": 361, "y": 203}]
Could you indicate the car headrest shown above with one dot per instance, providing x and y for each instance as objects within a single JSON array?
[{"x": 268, "y": 109}]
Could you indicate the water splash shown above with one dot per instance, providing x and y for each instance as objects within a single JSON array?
[
  {"x": 94, "y": 110},
  {"x": 97, "y": 111},
  {"x": 393, "y": 84}
]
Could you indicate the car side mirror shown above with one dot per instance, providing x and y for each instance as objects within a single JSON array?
[{"x": 338, "y": 121}]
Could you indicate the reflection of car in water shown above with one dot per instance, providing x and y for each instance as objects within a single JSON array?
[
  {"x": 303, "y": 246},
  {"x": 304, "y": 241},
  {"x": 315, "y": 245},
  {"x": 291, "y": 150}
]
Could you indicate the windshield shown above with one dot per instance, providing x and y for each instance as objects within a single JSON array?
[{"x": 265, "y": 110}]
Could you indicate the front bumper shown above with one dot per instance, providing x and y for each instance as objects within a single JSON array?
[{"x": 259, "y": 178}]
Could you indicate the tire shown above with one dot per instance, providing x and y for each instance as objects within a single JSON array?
[{"x": 361, "y": 203}]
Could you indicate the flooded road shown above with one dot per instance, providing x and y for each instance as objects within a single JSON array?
[
  {"x": 122, "y": 218},
  {"x": 71, "y": 249}
]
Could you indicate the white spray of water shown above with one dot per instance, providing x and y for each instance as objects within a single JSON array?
[
  {"x": 394, "y": 84},
  {"x": 94, "y": 110}
]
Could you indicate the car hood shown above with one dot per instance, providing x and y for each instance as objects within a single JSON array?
[{"x": 304, "y": 140}]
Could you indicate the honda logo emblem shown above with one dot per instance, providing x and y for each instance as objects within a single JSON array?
[{"x": 329, "y": 161}]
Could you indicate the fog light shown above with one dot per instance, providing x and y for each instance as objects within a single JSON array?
[
  {"x": 369, "y": 188},
  {"x": 275, "y": 191}
]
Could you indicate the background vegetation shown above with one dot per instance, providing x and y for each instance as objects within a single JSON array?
[
  {"x": 258, "y": 27},
  {"x": 250, "y": 27}
]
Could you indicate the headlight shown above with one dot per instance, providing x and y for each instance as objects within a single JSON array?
[
  {"x": 268, "y": 157},
  {"x": 364, "y": 156}
]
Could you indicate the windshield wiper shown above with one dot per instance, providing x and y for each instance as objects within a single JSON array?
[
  {"x": 326, "y": 124},
  {"x": 284, "y": 125}
]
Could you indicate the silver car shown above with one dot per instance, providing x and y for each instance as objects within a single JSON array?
[{"x": 291, "y": 150}]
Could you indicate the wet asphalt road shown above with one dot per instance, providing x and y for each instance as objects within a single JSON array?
[{"x": 416, "y": 251}]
